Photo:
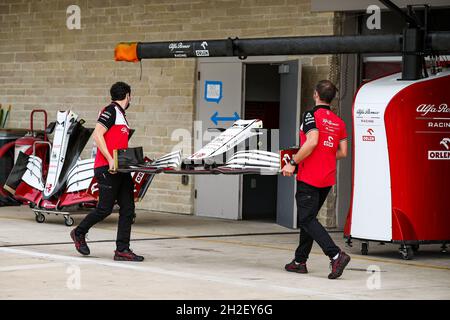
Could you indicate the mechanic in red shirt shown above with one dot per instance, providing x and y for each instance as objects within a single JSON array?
[
  {"x": 111, "y": 132},
  {"x": 323, "y": 140}
]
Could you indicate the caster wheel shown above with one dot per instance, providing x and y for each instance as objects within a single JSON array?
[
  {"x": 69, "y": 221},
  {"x": 407, "y": 252},
  {"x": 415, "y": 248},
  {"x": 364, "y": 249},
  {"x": 134, "y": 219},
  {"x": 40, "y": 218}
]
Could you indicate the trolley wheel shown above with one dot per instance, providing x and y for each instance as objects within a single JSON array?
[
  {"x": 68, "y": 221},
  {"x": 407, "y": 252},
  {"x": 415, "y": 248},
  {"x": 134, "y": 219},
  {"x": 40, "y": 218},
  {"x": 364, "y": 248}
]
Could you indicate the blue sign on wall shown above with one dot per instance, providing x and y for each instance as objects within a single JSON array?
[{"x": 213, "y": 91}]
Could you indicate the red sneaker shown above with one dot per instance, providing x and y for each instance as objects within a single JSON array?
[
  {"x": 127, "y": 255},
  {"x": 294, "y": 267},
  {"x": 338, "y": 265},
  {"x": 80, "y": 243}
]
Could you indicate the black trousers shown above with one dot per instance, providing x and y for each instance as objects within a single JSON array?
[
  {"x": 309, "y": 201},
  {"x": 112, "y": 187}
]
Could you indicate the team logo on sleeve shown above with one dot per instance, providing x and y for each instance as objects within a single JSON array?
[
  {"x": 309, "y": 118},
  {"x": 106, "y": 114}
]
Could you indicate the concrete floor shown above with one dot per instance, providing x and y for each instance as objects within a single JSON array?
[{"x": 190, "y": 257}]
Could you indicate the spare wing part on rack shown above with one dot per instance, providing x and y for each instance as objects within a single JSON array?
[
  {"x": 79, "y": 137},
  {"x": 252, "y": 162},
  {"x": 240, "y": 131},
  {"x": 26, "y": 168},
  {"x": 80, "y": 176},
  {"x": 26, "y": 178},
  {"x": 142, "y": 168},
  {"x": 76, "y": 185},
  {"x": 241, "y": 162},
  {"x": 128, "y": 157},
  {"x": 132, "y": 160},
  {"x": 25, "y": 181},
  {"x": 64, "y": 121},
  {"x": 81, "y": 187}
]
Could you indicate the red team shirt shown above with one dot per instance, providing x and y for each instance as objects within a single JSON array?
[
  {"x": 319, "y": 168},
  {"x": 113, "y": 119}
]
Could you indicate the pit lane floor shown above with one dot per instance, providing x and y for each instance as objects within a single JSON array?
[{"x": 189, "y": 257}]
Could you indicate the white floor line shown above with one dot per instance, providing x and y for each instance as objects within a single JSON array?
[
  {"x": 228, "y": 281},
  {"x": 32, "y": 267}
]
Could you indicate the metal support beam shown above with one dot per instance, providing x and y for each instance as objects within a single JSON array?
[
  {"x": 438, "y": 42},
  {"x": 393, "y": 7},
  {"x": 414, "y": 44},
  {"x": 412, "y": 62}
]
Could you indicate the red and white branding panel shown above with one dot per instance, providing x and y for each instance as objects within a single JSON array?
[
  {"x": 401, "y": 160},
  {"x": 418, "y": 129}
]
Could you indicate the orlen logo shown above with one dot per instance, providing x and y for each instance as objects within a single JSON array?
[
  {"x": 329, "y": 143},
  {"x": 369, "y": 137},
  {"x": 441, "y": 154},
  {"x": 124, "y": 130}
]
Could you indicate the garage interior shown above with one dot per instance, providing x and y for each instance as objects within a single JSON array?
[{"x": 262, "y": 101}]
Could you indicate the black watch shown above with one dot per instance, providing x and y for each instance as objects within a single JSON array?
[{"x": 292, "y": 162}]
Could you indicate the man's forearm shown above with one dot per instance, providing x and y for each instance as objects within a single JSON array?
[
  {"x": 304, "y": 152},
  {"x": 341, "y": 153}
]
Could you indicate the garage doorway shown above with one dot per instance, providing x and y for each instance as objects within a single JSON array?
[
  {"x": 261, "y": 101},
  {"x": 272, "y": 94},
  {"x": 267, "y": 88}
]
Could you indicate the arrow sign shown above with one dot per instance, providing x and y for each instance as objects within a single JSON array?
[{"x": 215, "y": 118}]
